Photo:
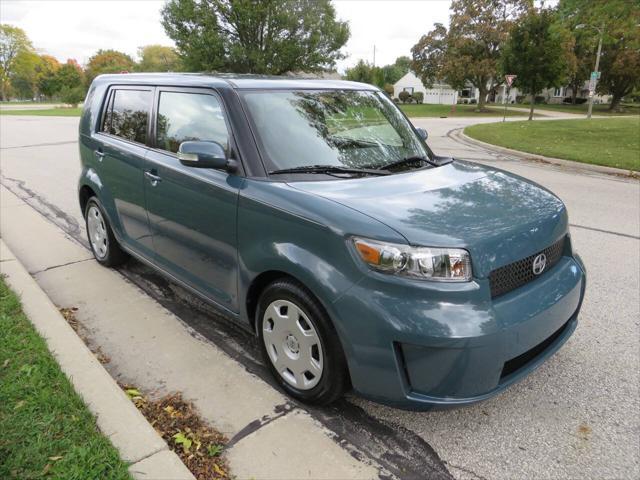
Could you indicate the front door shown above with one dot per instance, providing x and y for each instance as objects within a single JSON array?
[
  {"x": 192, "y": 211},
  {"x": 121, "y": 155}
]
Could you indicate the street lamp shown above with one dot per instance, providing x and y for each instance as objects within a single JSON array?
[{"x": 595, "y": 73}]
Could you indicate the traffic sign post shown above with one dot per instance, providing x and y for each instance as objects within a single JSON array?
[{"x": 509, "y": 81}]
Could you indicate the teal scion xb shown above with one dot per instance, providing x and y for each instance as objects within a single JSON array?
[{"x": 314, "y": 214}]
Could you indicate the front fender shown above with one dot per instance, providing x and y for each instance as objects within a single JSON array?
[{"x": 281, "y": 229}]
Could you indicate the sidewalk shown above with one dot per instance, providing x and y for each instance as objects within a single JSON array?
[
  {"x": 117, "y": 417},
  {"x": 149, "y": 347}
]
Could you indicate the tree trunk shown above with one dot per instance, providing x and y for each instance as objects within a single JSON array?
[
  {"x": 533, "y": 97},
  {"x": 574, "y": 93},
  {"x": 482, "y": 99},
  {"x": 615, "y": 103}
]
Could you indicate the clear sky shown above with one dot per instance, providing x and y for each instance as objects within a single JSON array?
[{"x": 76, "y": 29}]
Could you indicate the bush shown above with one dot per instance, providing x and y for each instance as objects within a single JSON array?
[
  {"x": 404, "y": 96},
  {"x": 72, "y": 96},
  {"x": 396, "y": 100},
  {"x": 473, "y": 100},
  {"x": 389, "y": 89},
  {"x": 540, "y": 99},
  {"x": 418, "y": 97},
  {"x": 520, "y": 98}
]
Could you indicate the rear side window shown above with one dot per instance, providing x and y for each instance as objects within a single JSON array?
[
  {"x": 127, "y": 114},
  {"x": 189, "y": 116}
]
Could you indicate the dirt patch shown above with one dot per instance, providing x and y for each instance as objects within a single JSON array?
[{"x": 199, "y": 446}]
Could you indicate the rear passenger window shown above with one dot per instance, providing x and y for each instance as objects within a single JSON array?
[
  {"x": 127, "y": 115},
  {"x": 190, "y": 116}
]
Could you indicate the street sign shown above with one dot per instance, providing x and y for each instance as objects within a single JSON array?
[
  {"x": 595, "y": 75},
  {"x": 510, "y": 79},
  {"x": 592, "y": 85}
]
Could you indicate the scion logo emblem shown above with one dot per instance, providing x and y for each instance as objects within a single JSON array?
[{"x": 539, "y": 264}]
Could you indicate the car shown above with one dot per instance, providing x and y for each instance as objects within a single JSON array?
[{"x": 315, "y": 215}]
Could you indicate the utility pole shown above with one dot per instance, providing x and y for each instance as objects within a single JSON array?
[
  {"x": 597, "y": 72},
  {"x": 374, "y": 55},
  {"x": 595, "y": 75}
]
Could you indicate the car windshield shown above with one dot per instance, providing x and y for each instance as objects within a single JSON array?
[{"x": 342, "y": 128}]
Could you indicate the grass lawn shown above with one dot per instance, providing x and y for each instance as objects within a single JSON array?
[
  {"x": 612, "y": 142},
  {"x": 598, "y": 109},
  {"x": 431, "y": 110},
  {"x": 46, "y": 430},
  {"x": 47, "y": 112}
]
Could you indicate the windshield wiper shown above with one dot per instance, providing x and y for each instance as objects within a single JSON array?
[
  {"x": 329, "y": 169},
  {"x": 406, "y": 161},
  {"x": 352, "y": 142}
]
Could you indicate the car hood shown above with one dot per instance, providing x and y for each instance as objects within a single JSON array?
[{"x": 499, "y": 217}]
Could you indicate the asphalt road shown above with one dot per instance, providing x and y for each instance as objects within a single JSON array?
[{"x": 578, "y": 416}]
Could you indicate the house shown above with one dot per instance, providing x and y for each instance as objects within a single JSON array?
[{"x": 439, "y": 93}]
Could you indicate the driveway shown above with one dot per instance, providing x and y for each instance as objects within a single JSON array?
[{"x": 578, "y": 416}]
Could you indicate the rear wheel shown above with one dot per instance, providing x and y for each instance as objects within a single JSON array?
[
  {"x": 300, "y": 345},
  {"x": 103, "y": 243}
]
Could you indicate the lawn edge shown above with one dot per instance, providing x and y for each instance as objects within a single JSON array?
[
  {"x": 555, "y": 161},
  {"x": 118, "y": 419}
]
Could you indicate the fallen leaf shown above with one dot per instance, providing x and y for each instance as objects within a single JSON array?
[
  {"x": 219, "y": 471},
  {"x": 133, "y": 392}
]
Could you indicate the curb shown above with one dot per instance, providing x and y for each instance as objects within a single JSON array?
[
  {"x": 118, "y": 419},
  {"x": 555, "y": 161}
]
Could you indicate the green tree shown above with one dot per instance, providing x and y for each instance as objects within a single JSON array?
[
  {"x": 108, "y": 61},
  {"x": 13, "y": 43},
  {"x": 158, "y": 58},
  {"x": 362, "y": 72},
  {"x": 69, "y": 76},
  {"x": 618, "y": 22},
  {"x": 250, "y": 36},
  {"x": 45, "y": 73},
  {"x": 538, "y": 52},
  {"x": 469, "y": 51},
  {"x": 23, "y": 78},
  {"x": 72, "y": 96}
]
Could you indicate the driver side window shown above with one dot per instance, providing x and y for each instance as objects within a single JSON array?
[{"x": 189, "y": 116}]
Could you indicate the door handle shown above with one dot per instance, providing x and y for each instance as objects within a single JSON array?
[
  {"x": 99, "y": 154},
  {"x": 153, "y": 178}
]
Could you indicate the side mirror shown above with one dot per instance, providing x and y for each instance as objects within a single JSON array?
[
  {"x": 198, "y": 154},
  {"x": 422, "y": 133}
]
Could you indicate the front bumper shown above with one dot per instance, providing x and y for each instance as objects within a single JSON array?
[{"x": 420, "y": 345}]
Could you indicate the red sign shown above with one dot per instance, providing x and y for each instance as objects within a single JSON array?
[{"x": 510, "y": 79}]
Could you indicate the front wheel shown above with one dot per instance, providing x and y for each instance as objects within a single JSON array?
[
  {"x": 103, "y": 243},
  {"x": 300, "y": 345}
]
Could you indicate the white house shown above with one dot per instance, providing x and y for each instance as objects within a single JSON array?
[
  {"x": 438, "y": 93},
  {"x": 444, "y": 94}
]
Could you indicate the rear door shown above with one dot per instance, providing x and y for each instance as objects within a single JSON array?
[
  {"x": 123, "y": 135},
  {"x": 192, "y": 211}
]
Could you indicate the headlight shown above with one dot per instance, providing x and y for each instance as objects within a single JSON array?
[{"x": 438, "y": 264}]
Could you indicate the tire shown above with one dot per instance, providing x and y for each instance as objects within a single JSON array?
[
  {"x": 103, "y": 243},
  {"x": 299, "y": 344}
]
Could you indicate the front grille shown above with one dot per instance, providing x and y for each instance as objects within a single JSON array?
[{"x": 519, "y": 273}]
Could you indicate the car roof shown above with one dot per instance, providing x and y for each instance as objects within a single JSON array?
[{"x": 236, "y": 81}]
